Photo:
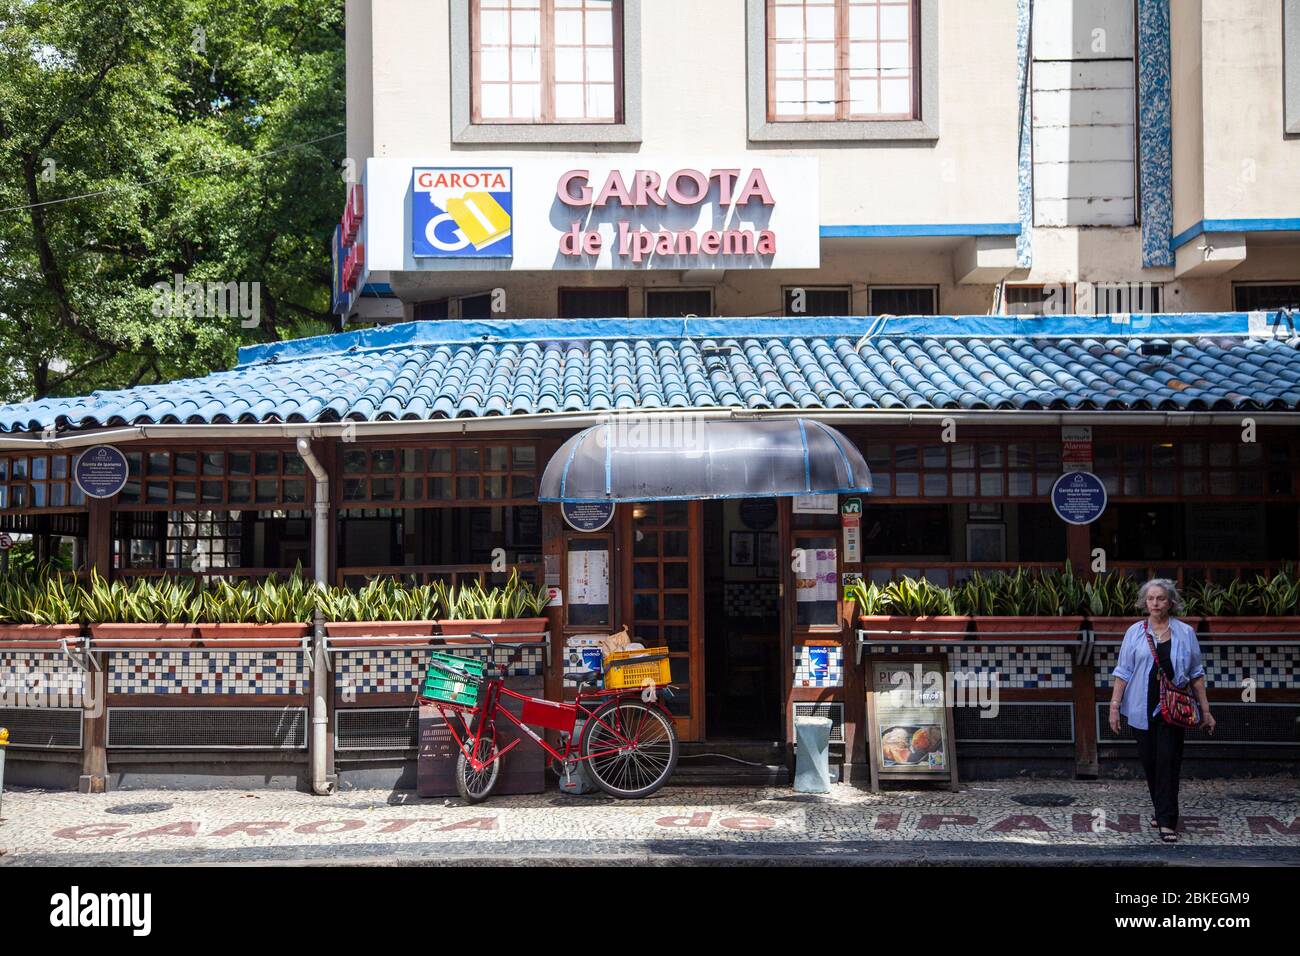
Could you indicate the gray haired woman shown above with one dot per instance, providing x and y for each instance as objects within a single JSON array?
[{"x": 1162, "y": 638}]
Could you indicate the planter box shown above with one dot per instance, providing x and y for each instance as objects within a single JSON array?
[
  {"x": 949, "y": 627},
  {"x": 38, "y": 632},
  {"x": 346, "y": 633},
  {"x": 1112, "y": 628},
  {"x": 502, "y": 629},
  {"x": 1010, "y": 625},
  {"x": 1229, "y": 626},
  {"x": 282, "y": 635},
  {"x": 144, "y": 635}
]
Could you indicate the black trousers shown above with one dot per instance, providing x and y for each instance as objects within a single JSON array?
[{"x": 1160, "y": 748}]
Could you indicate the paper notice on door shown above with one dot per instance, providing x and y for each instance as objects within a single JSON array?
[{"x": 589, "y": 577}]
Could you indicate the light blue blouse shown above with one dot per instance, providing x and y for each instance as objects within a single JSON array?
[{"x": 1134, "y": 666}]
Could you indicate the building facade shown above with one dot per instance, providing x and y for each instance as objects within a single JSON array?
[
  {"x": 995, "y": 156},
  {"x": 989, "y": 242}
]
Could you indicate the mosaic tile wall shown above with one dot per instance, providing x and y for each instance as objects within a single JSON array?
[
  {"x": 1031, "y": 667},
  {"x": 750, "y": 599},
  {"x": 1272, "y": 668},
  {"x": 397, "y": 671},
  {"x": 208, "y": 672},
  {"x": 804, "y": 675},
  {"x": 39, "y": 672}
]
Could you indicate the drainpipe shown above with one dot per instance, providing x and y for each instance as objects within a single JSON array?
[{"x": 320, "y": 783}]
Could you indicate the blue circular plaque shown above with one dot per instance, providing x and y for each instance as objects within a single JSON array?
[
  {"x": 1079, "y": 497},
  {"x": 587, "y": 515},
  {"x": 100, "y": 472}
]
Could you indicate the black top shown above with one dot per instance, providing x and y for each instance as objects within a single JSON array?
[{"x": 1164, "y": 653}]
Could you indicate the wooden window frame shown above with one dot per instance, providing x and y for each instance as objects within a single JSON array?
[
  {"x": 546, "y": 70},
  {"x": 842, "y": 40},
  {"x": 283, "y": 473},
  {"x": 424, "y": 473}
]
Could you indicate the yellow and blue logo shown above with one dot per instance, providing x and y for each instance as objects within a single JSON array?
[{"x": 462, "y": 212}]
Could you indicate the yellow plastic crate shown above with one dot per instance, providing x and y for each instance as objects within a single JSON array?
[{"x": 623, "y": 676}]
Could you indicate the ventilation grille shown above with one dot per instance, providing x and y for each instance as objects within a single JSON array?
[
  {"x": 1039, "y": 722},
  {"x": 208, "y": 728},
  {"x": 834, "y": 711},
  {"x": 43, "y": 728},
  {"x": 372, "y": 728},
  {"x": 1277, "y": 725}
]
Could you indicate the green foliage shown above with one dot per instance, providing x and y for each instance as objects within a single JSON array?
[
  {"x": 140, "y": 139},
  {"x": 1111, "y": 595},
  {"x": 918, "y": 597},
  {"x": 868, "y": 596}
]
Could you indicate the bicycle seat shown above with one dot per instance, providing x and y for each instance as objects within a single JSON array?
[{"x": 582, "y": 677}]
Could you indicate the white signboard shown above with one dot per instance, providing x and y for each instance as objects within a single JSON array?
[{"x": 583, "y": 212}]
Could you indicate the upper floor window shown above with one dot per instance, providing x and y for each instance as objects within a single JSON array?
[
  {"x": 842, "y": 59},
  {"x": 547, "y": 61}
]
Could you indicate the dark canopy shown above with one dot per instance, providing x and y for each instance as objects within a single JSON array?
[{"x": 650, "y": 459}]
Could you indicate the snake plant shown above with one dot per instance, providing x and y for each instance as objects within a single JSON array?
[
  {"x": 868, "y": 596},
  {"x": 919, "y": 597}
]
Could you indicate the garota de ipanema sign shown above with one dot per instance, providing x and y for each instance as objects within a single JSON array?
[{"x": 530, "y": 213}]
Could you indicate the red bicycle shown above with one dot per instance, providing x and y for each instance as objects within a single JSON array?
[{"x": 627, "y": 738}]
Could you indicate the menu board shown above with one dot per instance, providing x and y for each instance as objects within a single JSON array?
[
  {"x": 815, "y": 585},
  {"x": 909, "y": 720}
]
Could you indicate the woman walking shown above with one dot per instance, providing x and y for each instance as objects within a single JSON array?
[{"x": 1161, "y": 643}]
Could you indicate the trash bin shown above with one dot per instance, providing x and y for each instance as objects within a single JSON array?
[{"x": 812, "y": 740}]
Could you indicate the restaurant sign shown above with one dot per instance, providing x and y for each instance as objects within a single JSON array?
[{"x": 594, "y": 212}]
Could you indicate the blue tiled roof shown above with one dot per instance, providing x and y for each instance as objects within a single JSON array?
[{"x": 425, "y": 370}]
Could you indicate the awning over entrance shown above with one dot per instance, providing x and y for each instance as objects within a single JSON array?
[{"x": 660, "y": 459}]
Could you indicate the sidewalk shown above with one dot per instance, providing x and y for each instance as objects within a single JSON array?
[{"x": 1012, "y": 822}]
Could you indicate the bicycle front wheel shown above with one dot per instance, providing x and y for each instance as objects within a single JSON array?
[
  {"x": 631, "y": 748},
  {"x": 473, "y": 785}
]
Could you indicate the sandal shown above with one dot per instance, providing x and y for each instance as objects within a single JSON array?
[{"x": 1168, "y": 836}]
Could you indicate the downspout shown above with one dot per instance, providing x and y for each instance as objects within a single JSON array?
[{"x": 320, "y": 782}]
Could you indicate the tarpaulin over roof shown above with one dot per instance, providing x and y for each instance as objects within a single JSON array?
[{"x": 430, "y": 370}]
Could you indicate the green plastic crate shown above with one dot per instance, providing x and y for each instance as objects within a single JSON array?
[{"x": 441, "y": 686}]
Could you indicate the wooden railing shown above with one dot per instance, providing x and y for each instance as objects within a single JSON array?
[{"x": 453, "y": 574}]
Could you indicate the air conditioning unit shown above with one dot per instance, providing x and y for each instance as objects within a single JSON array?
[{"x": 835, "y": 711}]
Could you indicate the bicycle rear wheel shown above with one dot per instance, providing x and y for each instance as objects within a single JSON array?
[
  {"x": 473, "y": 785},
  {"x": 631, "y": 748}
]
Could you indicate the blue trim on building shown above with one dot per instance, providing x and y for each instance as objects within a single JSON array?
[
  {"x": 1283, "y": 224},
  {"x": 1155, "y": 133},
  {"x": 1024, "y": 161},
  {"x": 922, "y": 229}
]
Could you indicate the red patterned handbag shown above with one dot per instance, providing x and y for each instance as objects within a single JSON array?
[{"x": 1177, "y": 706}]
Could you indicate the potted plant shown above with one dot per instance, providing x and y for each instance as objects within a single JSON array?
[
  {"x": 517, "y": 609},
  {"x": 383, "y": 608},
  {"x": 40, "y": 607},
  {"x": 1110, "y": 602},
  {"x": 1020, "y": 602},
  {"x": 274, "y": 614},
  {"x": 916, "y": 608},
  {"x": 1266, "y": 605},
  {"x": 144, "y": 613}
]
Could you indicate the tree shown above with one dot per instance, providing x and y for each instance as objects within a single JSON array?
[{"x": 142, "y": 140}]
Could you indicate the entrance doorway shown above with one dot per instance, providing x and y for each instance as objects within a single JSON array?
[{"x": 742, "y": 620}]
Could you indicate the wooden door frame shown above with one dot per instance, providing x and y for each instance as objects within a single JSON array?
[{"x": 690, "y": 728}]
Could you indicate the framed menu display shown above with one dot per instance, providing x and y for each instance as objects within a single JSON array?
[
  {"x": 587, "y": 595},
  {"x": 909, "y": 720}
]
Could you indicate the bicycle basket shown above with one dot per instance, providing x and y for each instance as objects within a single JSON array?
[
  {"x": 637, "y": 669},
  {"x": 453, "y": 680}
]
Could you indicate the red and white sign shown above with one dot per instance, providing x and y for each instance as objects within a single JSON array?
[
  {"x": 675, "y": 212},
  {"x": 6, "y": 542},
  {"x": 1076, "y": 448}
]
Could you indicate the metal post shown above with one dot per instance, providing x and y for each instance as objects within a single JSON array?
[{"x": 4, "y": 742}]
